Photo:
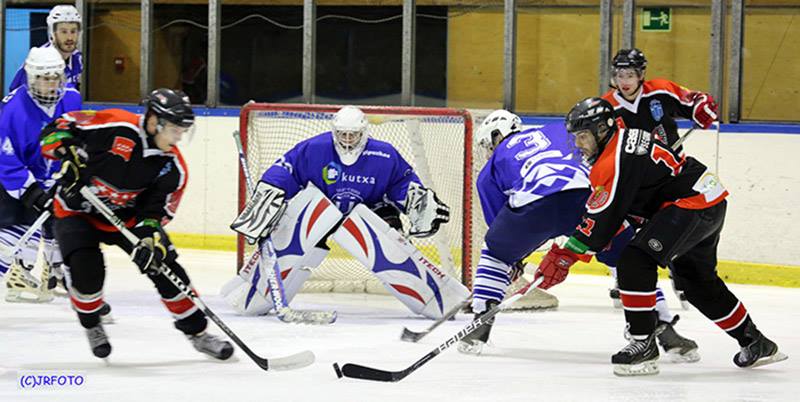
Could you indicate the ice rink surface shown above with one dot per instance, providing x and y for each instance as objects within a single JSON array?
[{"x": 562, "y": 355}]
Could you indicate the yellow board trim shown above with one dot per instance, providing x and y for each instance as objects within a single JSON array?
[{"x": 730, "y": 271}]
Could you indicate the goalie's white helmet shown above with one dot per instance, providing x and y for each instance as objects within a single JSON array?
[
  {"x": 349, "y": 133},
  {"x": 495, "y": 127},
  {"x": 44, "y": 68},
  {"x": 59, "y": 14}
]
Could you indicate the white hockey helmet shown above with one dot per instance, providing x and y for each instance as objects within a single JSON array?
[
  {"x": 62, "y": 13},
  {"x": 349, "y": 133},
  {"x": 44, "y": 68},
  {"x": 495, "y": 127}
]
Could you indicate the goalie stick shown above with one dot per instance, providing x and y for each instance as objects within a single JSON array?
[
  {"x": 276, "y": 289},
  {"x": 290, "y": 362},
  {"x": 368, "y": 373}
]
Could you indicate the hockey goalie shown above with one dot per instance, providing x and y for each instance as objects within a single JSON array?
[{"x": 342, "y": 186}]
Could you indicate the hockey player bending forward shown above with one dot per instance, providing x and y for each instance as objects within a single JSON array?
[
  {"x": 131, "y": 162},
  {"x": 681, "y": 207},
  {"x": 351, "y": 188},
  {"x": 534, "y": 188},
  {"x": 25, "y": 177}
]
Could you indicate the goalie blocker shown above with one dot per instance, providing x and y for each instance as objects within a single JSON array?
[{"x": 299, "y": 240}]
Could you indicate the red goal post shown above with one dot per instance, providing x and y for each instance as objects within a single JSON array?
[{"x": 437, "y": 142}]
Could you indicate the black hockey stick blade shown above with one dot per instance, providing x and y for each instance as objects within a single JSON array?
[
  {"x": 412, "y": 336},
  {"x": 367, "y": 373}
]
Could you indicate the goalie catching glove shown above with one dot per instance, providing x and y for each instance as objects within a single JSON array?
[
  {"x": 425, "y": 211},
  {"x": 262, "y": 212}
]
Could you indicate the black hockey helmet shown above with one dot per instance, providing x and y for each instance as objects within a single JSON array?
[
  {"x": 630, "y": 58},
  {"x": 170, "y": 105},
  {"x": 595, "y": 115}
]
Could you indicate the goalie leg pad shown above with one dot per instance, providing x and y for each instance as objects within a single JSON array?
[{"x": 404, "y": 271}]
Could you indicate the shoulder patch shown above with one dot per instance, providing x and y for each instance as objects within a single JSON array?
[{"x": 123, "y": 147}]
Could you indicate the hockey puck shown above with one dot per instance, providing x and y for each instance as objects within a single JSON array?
[{"x": 338, "y": 370}]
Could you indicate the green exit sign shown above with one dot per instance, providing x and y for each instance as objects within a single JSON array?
[{"x": 657, "y": 19}]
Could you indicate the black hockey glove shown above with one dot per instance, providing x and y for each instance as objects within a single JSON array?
[
  {"x": 149, "y": 253},
  {"x": 37, "y": 199},
  {"x": 73, "y": 160}
]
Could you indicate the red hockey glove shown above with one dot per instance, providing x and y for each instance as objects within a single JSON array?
[
  {"x": 555, "y": 266},
  {"x": 704, "y": 110}
]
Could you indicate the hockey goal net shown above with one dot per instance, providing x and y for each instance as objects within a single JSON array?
[{"x": 437, "y": 142}]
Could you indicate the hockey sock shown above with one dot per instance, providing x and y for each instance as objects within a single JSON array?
[
  {"x": 716, "y": 302},
  {"x": 637, "y": 278},
  {"x": 491, "y": 281},
  {"x": 661, "y": 307}
]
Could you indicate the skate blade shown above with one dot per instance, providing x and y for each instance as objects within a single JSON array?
[
  {"x": 631, "y": 370},
  {"x": 777, "y": 357},
  {"x": 675, "y": 356},
  {"x": 474, "y": 349},
  {"x": 27, "y": 297}
]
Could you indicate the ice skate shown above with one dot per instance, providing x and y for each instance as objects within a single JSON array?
[
  {"x": 22, "y": 286},
  {"x": 759, "y": 352},
  {"x": 98, "y": 341},
  {"x": 640, "y": 357},
  {"x": 473, "y": 343},
  {"x": 678, "y": 348},
  {"x": 536, "y": 300},
  {"x": 211, "y": 345}
]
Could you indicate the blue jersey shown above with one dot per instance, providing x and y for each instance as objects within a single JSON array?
[
  {"x": 72, "y": 71},
  {"x": 379, "y": 175},
  {"x": 21, "y": 122},
  {"x": 530, "y": 165}
]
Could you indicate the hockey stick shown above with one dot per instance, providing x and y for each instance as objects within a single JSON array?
[
  {"x": 12, "y": 251},
  {"x": 680, "y": 141},
  {"x": 276, "y": 289},
  {"x": 412, "y": 336},
  {"x": 290, "y": 362},
  {"x": 367, "y": 373}
]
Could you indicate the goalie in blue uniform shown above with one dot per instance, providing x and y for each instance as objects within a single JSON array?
[{"x": 348, "y": 187}]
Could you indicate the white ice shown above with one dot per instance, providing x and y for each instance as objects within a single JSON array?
[{"x": 559, "y": 355}]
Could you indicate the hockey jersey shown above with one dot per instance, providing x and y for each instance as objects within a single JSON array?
[
  {"x": 636, "y": 175},
  {"x": 529, "y": 165},
  {"x": 21, "y": 121},
  {"x": 655, "y": 108},
  {"x": 126, "y": 170},
  {"x": 379, "y": 175},
  {"x": 72, "y": 71}
]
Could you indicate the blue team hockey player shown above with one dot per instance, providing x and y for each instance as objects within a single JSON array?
[
  {"x": 25, "y": 176},
  {"x": 63, "y": 31},
  {"x": 348, "y": 187},
  {"x": 534, "y": 188}
]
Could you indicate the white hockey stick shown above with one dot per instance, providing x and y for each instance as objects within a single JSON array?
[
  {"x": 276, "y": 293},
  {"x": 12, "y": 251},
  {"x": 294, "y": 361}
]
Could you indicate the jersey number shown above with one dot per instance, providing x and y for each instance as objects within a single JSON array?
[
  {"x": 586, "y": 227},
  {"x": 661, "y": 154}
]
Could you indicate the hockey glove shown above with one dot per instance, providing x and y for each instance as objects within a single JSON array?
[
  {"x": 73, "y": 160},
  {"x": 149, "y": 253},
  {"x": 37, "y": 199},
  {"x": 426, "y": 212},
  {"x": 704, "y": 110},
  {"x": 555, "y": 266}
]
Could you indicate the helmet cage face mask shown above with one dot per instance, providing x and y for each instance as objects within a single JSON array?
[
  {"x": 47, "y": 88},
  {"x": 350, "y": 133}
]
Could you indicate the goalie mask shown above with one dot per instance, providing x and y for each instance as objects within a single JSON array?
[
  {"x": 495, "y": 128},
  {"x": 44, "y": 69},
  {"x": 349, "y": 133}
]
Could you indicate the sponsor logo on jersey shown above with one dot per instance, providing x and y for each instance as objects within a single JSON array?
[
  {"x": 632, "y": 140},
  {"x": 656, "y": 110},
  {"x": 166, "y": 169},
  {"x": 123, "y": 147},
  {"x": 598, "y": 198},
  {"x": 643, "y": 146},
  {"x": 655, "y": 245},
  {"x": 355, "y": 178},
  {"x": 376, "y": 153},
  {"x": 331, "y": 173}
]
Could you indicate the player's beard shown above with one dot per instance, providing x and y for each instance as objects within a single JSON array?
[{"x": 66, "y": 46}]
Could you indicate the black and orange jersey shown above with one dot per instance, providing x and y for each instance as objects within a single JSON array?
[
  {"x": 655, "y": 108},
  {"x": 127, "y": 171},
  {"x": 636, "y": 175}
]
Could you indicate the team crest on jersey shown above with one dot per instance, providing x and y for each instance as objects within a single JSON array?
[
  {"x": 656, "y": 110},
  {"x": 123, "y": 147},
  {"x": 331, "y": 173},
  {"x": 598, "y": 198},
  {"x": 660, "y": 135}
]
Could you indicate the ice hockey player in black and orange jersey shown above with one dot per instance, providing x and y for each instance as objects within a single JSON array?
[
  {"x": 133, "y": 165},
  {"x": 680, "y": 208},
  {"x": 653, "y": 105}
]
